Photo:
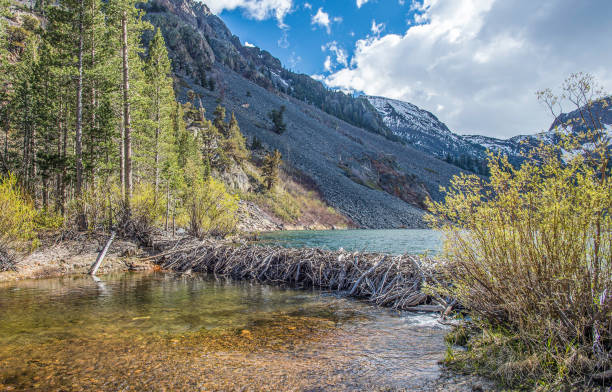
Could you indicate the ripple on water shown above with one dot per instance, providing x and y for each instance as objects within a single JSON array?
[{"x": 155, "y": 331}]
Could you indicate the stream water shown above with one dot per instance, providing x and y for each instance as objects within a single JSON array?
[
  {"x": 154, "y": 331},
  {"x": 159, "y": 331}
]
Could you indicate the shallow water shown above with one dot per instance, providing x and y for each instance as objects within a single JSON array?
[
  {"x": 398, "y": 241},
  {"x": 156, "y": 331}
]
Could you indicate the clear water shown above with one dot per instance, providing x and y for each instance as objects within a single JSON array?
[
  {"x": 400, "y": 241},
  {"x": 157, "y": 331}
]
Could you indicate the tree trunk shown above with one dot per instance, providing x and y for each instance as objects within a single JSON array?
[
  {"x": 63, "y": 175},
  {"x": 167, "y": 204},
  {"x": 157, "y": 133},
  {"x": 93, "y": 99},
  {"x": 82, "y": 224},
  {"x": 34, "y": 172},
  {"x": 121, "y": 157},
  {"x": 45, "y": 192},
  {"x": 126, "y": 112}
]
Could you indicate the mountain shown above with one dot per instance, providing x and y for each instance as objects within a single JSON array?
[
  {"x": 338, "y": 142},
  {"x": 419, "y": 127},
  {"x": 596, "y": 116},
  {"x": 374, "y": 159},
  {"x": 423, "y": 131},
  {"x": 199, "y": 42}
]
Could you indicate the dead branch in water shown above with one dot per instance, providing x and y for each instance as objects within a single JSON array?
[{"x": 385, "y": 280}]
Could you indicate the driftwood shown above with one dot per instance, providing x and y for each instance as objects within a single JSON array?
[
  {"x": 101, "y": 255},
  {"x": 385, "y": 280}
]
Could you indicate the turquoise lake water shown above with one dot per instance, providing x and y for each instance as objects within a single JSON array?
[{"x": 400, "y": 241}]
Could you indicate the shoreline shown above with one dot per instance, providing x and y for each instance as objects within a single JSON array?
[
  {"x": 58, "y": 258},
  {"x": 74, "y": 256}
]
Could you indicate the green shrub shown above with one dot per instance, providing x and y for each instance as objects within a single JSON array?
[
  {"x": 528, "y": 252},
  {"x": 17, "y": 216},
  {"x": 102, "y": 207},
  {"x": 143, "y": 205},
  {"x": 211, "y": 210}
]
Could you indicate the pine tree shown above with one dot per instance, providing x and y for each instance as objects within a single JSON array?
[
  {"x": 235, "y": 144},
  {"x": 271, "y": 164},
  {"x": 160, "y": 88},
  {"x": 278, "y": 122},
  {"x": 219, "y": 120},
  {"x": 127, "y": 22}
]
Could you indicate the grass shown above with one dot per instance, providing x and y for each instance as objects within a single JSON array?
[{"x": 294, "y": 201}]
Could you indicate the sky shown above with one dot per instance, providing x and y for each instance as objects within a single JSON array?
[{"x": 475, "y": 64}]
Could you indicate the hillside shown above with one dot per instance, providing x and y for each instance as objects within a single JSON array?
[{"x": 376, "y": 182}]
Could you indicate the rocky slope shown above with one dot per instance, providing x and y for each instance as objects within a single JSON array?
[{"x": 387, "y": 182}]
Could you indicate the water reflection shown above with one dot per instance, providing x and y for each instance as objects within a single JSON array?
[{"x": 155, "y": 331}]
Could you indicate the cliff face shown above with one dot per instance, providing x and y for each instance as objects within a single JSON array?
[{"x": 387, "y": 181}]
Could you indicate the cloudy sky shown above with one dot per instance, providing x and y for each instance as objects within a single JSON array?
[{"x": 476, "y": 64}]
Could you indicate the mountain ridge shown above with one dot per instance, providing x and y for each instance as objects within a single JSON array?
[{"x": 363, "y": 172}]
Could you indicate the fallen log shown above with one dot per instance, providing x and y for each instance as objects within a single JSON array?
[{"x": 101, "y": 255}]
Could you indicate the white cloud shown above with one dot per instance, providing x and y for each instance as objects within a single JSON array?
[
  {"x": 361, "y": 2},
  {"x": 320, "y": 78},
  {"x": 377, "y": 28},
  {"x": 478, "y": 63},
  {"x": 322, "y": 19},
  {"x": 283, "y": 41},
  {"x": 248, "y": 44},
  {"x": 256, "y": 9},
  {"x": 308, "y": 6},
  {"x": 327, "y": 64},
  {"x": 294, "y": 60},
  {"x": 339, "y": 52}
]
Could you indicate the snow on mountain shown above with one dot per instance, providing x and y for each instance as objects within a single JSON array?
[
  {"x": 425, "y": 132},
  {"x": 404, "y": 118},
  {"x": 421, "y": 128}
]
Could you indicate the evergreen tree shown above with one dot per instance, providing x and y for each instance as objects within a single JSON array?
[
  {"x": 235, "y": 144},
  {"x": 162, "y": 97},
  {"x": 278, "y": 122},
  {"x": 271, "y": 164},
  {"x": 219, "y": 120}
]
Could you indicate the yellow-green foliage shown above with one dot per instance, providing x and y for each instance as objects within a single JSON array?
[
  {"x": 283, "y": 205},
  {"x": 48, "y": 220},
  {"x": 17, "y": 215},
  {"x": 143, "y": 206},
  {"x": 528, "y": 251},
  {"x": 101, "y": 206},
  {"x": 211, "y": 210}
]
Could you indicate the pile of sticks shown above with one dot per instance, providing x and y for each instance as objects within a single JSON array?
[{"x": 385, "y": 280}]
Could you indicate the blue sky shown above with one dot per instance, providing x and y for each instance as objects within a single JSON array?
[
  {"x": 301, "y": 48},
  {"x": 476, "y": 64}
]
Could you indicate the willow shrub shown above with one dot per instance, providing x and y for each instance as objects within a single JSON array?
[
  {"x": 528, "y": 253},
  {"x": 211, "y": 210},
  {"x": 17, "y": 221}
]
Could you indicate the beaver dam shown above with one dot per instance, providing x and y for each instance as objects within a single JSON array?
[{"x": 382, "y": 279}]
